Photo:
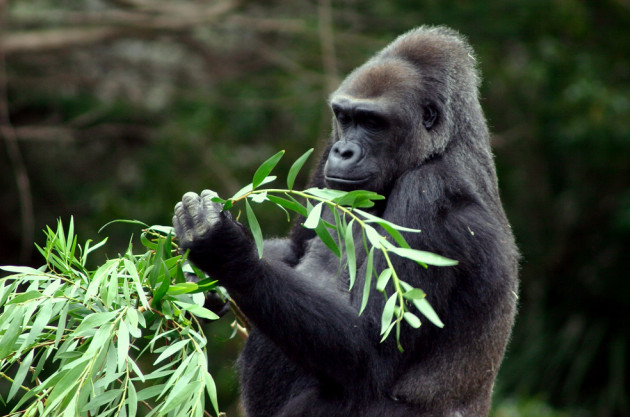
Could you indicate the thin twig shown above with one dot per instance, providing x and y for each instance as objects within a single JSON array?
[{"x": 15, "y": 156}]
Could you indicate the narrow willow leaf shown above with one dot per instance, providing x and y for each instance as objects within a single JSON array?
[
  {"x": 412, "y": 319},
  {"x": 259, "y": 197},
  {"x": 61, "y": 324},
  {"x": 373, "y": 236},
  {"x": 414, "y": 294},
  {"x": 350, "y": 253},
  {"x": 327, "y": 239},
  {"x": 422, "y": 257},
  {"x": 182, "y": 288},
  {"x": 93, "y": 321},
  {"x": 41, "y": 320},
  {"x": 296, "y": 167},
  {"x": 288, "y": 204},
  {"x": 211, "y": 389},
  {"x": 21, "y": 374},
  {"x": 265, "y": 168},
  {"x": 24, "y": 297},
  {"x": 130, "y": 267},
  {"x": 248, "y": 188},
  {"x": 426, "y": 309},
  {"x": 358, "y": 198},
  {"x": 198, "y": 311},
  {"x": 178, "y": 395},
  {"x": 171, "y": 350},
  {"x": 383, "y": 279},
  {"x": 133, "y": 400},
  {"x": 313, "y": 217},
  {"x": 102, "y": 399},
  {"x": 122, "y": 345},
  {"x": 368, "y": 280},
  {"x": 21, "y": 270},
  {"x": 326, "y": 193},
  {"x": 388, "y": 330},
  {"x": 255, "y": 228},
  {"x": 126, "y": 221},
  {"x": 388, "y": 312},
  {"x": 395, "y": 234},
  {"x": 374, "y": 219},
  {"x": 149, "y": 392}
]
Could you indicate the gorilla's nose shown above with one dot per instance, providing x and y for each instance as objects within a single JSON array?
[{"x": 345, "y": 155}]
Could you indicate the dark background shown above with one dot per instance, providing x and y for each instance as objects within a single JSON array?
[{"x": 114, "y": 108}]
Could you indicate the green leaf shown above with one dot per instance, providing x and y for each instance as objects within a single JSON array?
[
  {"x": 373, "y": 236},
  {"x": 325, "y": 193},
  {"x": 171, "y": 350},
  {"x": 132, "y": 400},
  {"x": 414, "y": 294},
  {"x": 182, "y": 288},
  {"x": 211, "y": 388},
  {"x": 425, "y": 308},
  {"x": 127, "y": 221},
  {"x": 255, "y": 228},
  {"x": 93, "y": 321},
  {"x": 412, "y": 319},
  {"x": 296, "y": 167},
  {"x": 422, "y": 257},
  {"x": 358, "y": 198},
  {"x": 259, "y": 197},
  {"x": 198, "y": 310},
  {"x": 21, "y": 270},
  {"x": 288, "y": 204},
  {"x": 122, "y": 345},
  {"x": 21, "y": 374},
  {"x": 313, "y": 217},
  {"x": 383, "y": 279},
  {"x": 24, "y": 297},
  {"x": 388, "y": 330},
  {"x": 327, "y": 239},
  {"x": 264, "y": 169},
  {"x": 350, "y": 253},
  {"x": 368, "y": 280},
  {"x": 248, "y": 188},
  {"x": 388, "y": 312}
]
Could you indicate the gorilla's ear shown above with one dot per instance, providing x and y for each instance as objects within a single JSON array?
[{"x": 429, "y": 116}]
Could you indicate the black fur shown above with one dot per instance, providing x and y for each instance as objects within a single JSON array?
[{"x": 422, "y": 141}]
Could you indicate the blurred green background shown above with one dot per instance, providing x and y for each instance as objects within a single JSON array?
[{"x": 114, "y": 108}]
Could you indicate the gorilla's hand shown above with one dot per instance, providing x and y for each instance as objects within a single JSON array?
[
  {"x": 216, "y": 242},
  {"x": 195, "y": 218}
]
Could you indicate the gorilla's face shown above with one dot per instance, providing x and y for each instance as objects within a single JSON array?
[{"x": 380, "y": 127}]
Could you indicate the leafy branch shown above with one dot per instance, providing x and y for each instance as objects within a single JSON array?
[
  {"x": 75, "y": 341},
  {"x": 346, "y": 211},
  {"x": 92, "y": 331}
]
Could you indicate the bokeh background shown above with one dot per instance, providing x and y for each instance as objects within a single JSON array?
[{"x": 113, "y": 109}]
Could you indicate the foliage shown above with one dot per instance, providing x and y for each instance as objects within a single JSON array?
[
  {"x": 97, "y": 326},
  {"x": 144, "y": 113},
  {"x": 346, "y": 214},
  {"x": 74, "y": 340}
]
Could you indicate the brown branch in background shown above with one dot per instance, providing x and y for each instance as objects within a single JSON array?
[
  {"x": 328, "y": 45},
  {"x": 8, "y": 135},
  {"x": 102, "y": 26}
]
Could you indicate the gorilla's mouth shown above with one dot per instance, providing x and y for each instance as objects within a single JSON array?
[{"x": 347, "y": 182}]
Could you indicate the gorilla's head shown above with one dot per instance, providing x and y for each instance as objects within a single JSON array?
[{"x": 402, "y": 108}]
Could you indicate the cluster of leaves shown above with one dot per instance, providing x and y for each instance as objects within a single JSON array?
[
  {"x": 347, "y": 216},
  {"x": 74, "y": 342}
]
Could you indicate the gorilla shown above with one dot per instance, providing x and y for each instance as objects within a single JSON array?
[{"x": 408, "y": 125}]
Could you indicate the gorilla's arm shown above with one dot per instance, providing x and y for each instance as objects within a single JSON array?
[{"x": 313, "y": 324}]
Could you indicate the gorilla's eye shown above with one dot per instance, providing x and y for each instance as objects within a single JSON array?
[
  {"x": 372, "y": 121},
  {"x": 343, "y": 118},
  {"x": 429, "y": 117}
]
